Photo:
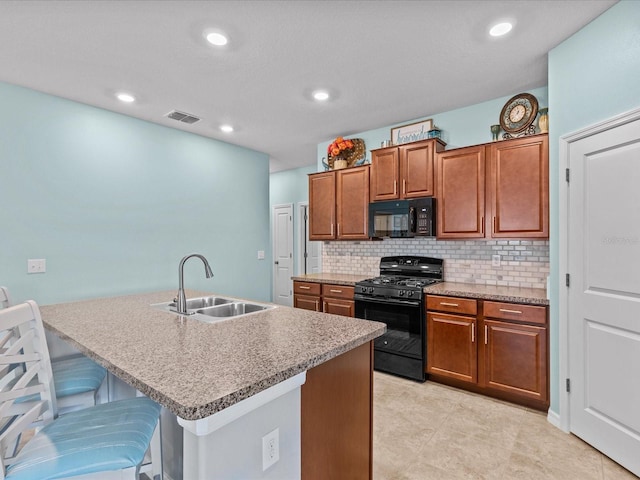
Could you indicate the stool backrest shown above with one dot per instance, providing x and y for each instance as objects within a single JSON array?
[
  {"x": 5, "y": 300},
  {"x": 23, "y": 344}
]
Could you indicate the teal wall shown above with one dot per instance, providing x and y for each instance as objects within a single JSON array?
[
  {"x": 460, "y": 127},
  {"x": 291, "y": 186},
  {"x": 113, "y": 203},
  {"x": 593, "y": 75}
]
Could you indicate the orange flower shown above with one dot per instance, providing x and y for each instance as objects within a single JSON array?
[{"x": 338, "y": 146}]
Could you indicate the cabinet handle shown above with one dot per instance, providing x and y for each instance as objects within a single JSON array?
[
  {"x": 404, "y": 186},
  {"x": 304, "y": 287},
  {"x": 395, "y": 187},
  {"x": 473, "y": 333},
  {"x": 332, "y": 229},
  {"x": 447, "y": 304},
  {"x": 486, "y": 335},
  {"x": 324, "y": 306},
  {"x": 494, "y": 224},
  {"x": 506, "y": 310},
  {"x": 335, "y": 291},
  {"x": 338, "y": 229},
  {"x": 482, "y": 225}
]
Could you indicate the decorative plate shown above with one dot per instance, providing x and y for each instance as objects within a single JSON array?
[{"x": 519, "y": 113}]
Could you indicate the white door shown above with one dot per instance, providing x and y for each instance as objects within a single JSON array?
[
  {"x": 283, "y": 254},
  {"x": 309, "y": 253},
  {"x": 603, "y": 259}
]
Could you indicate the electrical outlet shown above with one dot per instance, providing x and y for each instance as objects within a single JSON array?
[
  {"x": 495, "y": 260},
  {"x": 36, "y": 265},
  {"x": 270, "y": 448},
  {"x": 260, "y": 254}
]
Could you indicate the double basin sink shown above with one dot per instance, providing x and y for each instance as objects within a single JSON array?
[{"x": 213, "y": 309}]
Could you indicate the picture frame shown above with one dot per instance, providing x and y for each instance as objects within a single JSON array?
[{"x": 412, "y": 132}]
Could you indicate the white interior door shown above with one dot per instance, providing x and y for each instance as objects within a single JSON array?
[
  {"x": 309, "y": 253},
  {"x": 283, "y": 254},
  {"x": 603, "y": 258}
]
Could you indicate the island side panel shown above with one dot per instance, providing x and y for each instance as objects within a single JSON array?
[{"x": 337, "y": 417}]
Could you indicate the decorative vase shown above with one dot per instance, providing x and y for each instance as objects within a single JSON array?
[
  {"x": 495, "y": 131},
  {"x": 339, "y": 163},
  {"x": 543, "y": 121}
]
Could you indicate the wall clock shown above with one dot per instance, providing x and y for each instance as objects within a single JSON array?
[{"x": 519, "y": 113}]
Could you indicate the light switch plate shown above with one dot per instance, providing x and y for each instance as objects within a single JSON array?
[{"x": 260, "y": 254}]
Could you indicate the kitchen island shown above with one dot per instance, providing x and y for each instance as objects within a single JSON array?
[{"x": 254, "y": 366}]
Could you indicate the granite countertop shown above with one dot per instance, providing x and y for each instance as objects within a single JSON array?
[
  {"x": 528, "y": 296},
  {"x": 333, "y": 278},
  {"x": 196, "y": 369}
]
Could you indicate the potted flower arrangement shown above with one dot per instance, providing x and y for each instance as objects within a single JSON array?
[{"x": 338, "y": 151}]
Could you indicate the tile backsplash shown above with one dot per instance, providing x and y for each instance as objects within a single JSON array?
[{"x": 523, "y": 263}]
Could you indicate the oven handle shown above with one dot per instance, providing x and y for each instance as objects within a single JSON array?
[{"x": 387, "y": 301}]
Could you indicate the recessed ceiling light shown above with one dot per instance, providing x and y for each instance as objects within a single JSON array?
[
  {"x": 125, "y": 97},
  {"x": 500, "y": 29},
  {"x": 226, "y": 128},
  {"x": 321, "y": 95},
  {"x": 217, "y": 39}
]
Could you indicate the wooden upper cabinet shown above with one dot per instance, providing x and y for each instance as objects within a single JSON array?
[
  {"x": 416, "y": 168},
  {"x": 339, "y": 204},
  {"x": 322, "y": 206},
  {"x": 352, "y": 203},
  {"x": 519, "y": 187},
  {"x": 385, "y": 169},
  {"x": 460, "y": 190},
  {"x": 404, "y": 171}
]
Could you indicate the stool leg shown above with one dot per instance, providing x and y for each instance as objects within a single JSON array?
[{"x": 156, "y": 452}]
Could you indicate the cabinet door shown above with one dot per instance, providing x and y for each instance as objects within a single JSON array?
[
  {"x": 352, "y": 206},
  {"x": 451, "y": 346},
  {"x": 307, "y": 302},
  {"x": 416, "y": 168},
  {"x": 339, "y": 306},
  {"x": 515, "y": 359},
  {"x": 322, "y": 206},
  {"x": 385, "y": 171},
  {"x": 460, "y": 188},
  {"x": 519, "y": 179}
]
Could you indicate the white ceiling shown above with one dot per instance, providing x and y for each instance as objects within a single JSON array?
[{"x": 385, "y": 62}]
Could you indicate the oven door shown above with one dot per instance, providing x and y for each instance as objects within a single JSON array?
[{"x": 404, "y": 320}]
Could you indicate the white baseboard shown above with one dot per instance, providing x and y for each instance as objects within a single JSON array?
[{"x": 554, "y": 419}]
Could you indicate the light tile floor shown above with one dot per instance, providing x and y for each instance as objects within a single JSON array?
[{"x": 431, "y": 431}]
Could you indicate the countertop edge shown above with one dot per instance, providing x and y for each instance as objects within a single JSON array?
[{"x": 205, "y": 410}]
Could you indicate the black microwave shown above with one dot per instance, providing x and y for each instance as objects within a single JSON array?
[{"x": 403, "y": 218}]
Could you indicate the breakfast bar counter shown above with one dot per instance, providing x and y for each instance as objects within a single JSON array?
[{"x": 198, "y": 370}]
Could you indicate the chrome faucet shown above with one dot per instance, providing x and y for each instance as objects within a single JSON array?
[{"x": 181, "y": 299}]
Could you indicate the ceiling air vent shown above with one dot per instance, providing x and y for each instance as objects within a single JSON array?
[{"x": 182, "y": 117}]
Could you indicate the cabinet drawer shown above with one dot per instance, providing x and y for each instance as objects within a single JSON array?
[
  {"x": 516, "y": 311},
  {"x": 337, "y": 291},
  {"x": 306, "y": 288},
  {"x": 452, "y": 304}
]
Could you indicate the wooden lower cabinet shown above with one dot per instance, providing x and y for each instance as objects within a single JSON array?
[
  {"x": 495, "y": 348},
  {"x": 515, "y": 359},
  {"x": 338, "y": 299},
  {"x": 327, "y": 298},
  {"x": 451, "y": 347},
  {"x": 337, "y": 418},
  {"x": 307, "y": 295}
]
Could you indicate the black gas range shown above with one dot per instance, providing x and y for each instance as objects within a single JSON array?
[{"x": 396, "y": 298}]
